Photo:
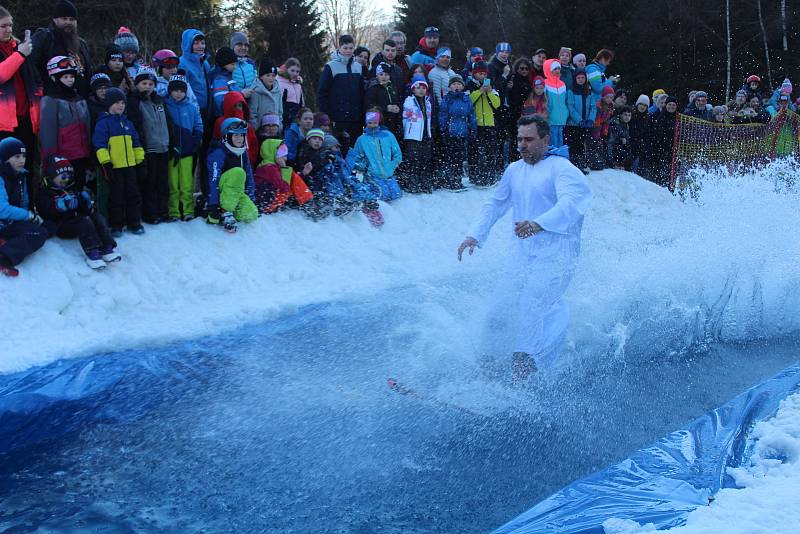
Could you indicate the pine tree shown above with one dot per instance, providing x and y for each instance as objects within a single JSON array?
[{"x": 286, "y": 29}]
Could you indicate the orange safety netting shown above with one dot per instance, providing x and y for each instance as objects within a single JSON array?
[{"x": 700, "y": 143}]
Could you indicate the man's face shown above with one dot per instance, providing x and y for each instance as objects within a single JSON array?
[
  {"x": 389, "y": 53},
  {"x": 700, "y": 102},
  {"x": 564, "y": 57},
  {"x": 740, "y": 99},
  {"x": 444, "y": 61},
  {"x": 531, "y": 146},
  {"x": 539, "y": 59},
  {"x": 129, "y": 56},
  {"x": 17, "y": 162},
  {"x": 241, "y": 49},
  {"x": 503, "y": 56},
  {"x": 346, "y": 50},
  {"x": 432, "y": 42},
  {"x": 401, "y": 44},
  {"x": 671, "y": 107},
  {"x": 66, "y": 24},
  {"x": 199, "y": 46}
]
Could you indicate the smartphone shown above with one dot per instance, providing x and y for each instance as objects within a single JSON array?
[{"x": 486, "y": 82}]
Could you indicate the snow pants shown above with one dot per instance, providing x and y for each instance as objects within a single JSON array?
[
  {"x": 124, "y": 199},
  {"x": 91, "y": 230},
  {"x": 233, "y": 198},
  {"x": 417, "y": 175},
  {"x": 154, "y": 186},
  {"x": 20, "y": 239},
  {"x": 454, "y": 152},
  {"x": 181, "y": 188}
]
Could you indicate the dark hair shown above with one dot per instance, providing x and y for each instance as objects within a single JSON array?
[
  {"x": 542, "y": 126},
  {"x": 522, "y": 61},
  {"x": 361, "y": 49},
  {"x": 624, "y": 109},
  {"x": 346, "y": 39},
  {"x": 389, "y": 42},
  {"x": 301, "y": 112},
  {"x": 604, "y": 53}
]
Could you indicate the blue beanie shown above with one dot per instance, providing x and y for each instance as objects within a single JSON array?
[
  {"x": 11, "y": 146},
  {"x": 502, "y": 47},
  {"x": 113, "y": 95},
  {"x": 475, "y": 51},
  {"x": 443, "y": 51}
]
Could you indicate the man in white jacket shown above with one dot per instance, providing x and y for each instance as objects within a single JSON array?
[
  {"x": 441, "y": 73},
  {"x": 549, "y": 197}
]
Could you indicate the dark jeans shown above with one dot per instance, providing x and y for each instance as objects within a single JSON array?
[
  {"x": 91, "y": 230},
  {"x": 486, "y": 156},
  {"x": 20, "y": 239},
  {"x": 124, "y": 199},
  {"x": 154, "y": 186}
]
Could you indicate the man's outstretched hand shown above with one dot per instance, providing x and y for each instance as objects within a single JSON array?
[
  {"x": 525, "y": 229},
  {"x": 468, "y": 243}
]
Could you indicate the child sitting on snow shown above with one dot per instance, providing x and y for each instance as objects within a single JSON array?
[
  {"x": 69, "y": 212},
  {"x": 230, "y": 178},
  {"x": 273, "y": 176}
]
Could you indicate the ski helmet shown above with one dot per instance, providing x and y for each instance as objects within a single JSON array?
[
  {"x": 59, "y": 65},
  {"x": 165, "y": 58},
  {"x": 231, "y": 127}
]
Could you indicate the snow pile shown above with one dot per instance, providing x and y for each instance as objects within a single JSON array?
[
  {"x": 654, "y": 272},
  {"x": 769, "y": 496}
]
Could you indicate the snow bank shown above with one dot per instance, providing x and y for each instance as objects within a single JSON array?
[
  {"x": 768, "y": 500},
  {"x": 654, "y": 270}
]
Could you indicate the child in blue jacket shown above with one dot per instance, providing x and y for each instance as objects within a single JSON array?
[
  {"x": 21, "y": 231},
  {"x": 377, "y": 154},
  {"x": 222, "y": 80},
  {"x": 458, "y": 124},
  {"x": 185, "y": 141}
]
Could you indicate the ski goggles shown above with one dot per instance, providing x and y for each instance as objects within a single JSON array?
[
  {"x": 430, "y": 31},
  {"x": 63, "y": 63},
  {"x": 169, "y": 62}
]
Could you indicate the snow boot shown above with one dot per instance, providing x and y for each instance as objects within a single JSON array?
[
  {"x": 6, "y": 268},
  {"x": 136, "y": 230},
  {"x": 116, "y": 232},
  {"x": 95, "y": 260},
  {"x": 110, "y": 255},
  {"x": 375, "y": 217},
  {"x": 229, "y": 222}
]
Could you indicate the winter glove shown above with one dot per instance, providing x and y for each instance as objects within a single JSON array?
[
  {"x": 108, "y": 169},
  {"x": 34, "y": 218},
  {"x": 67, "y": 202},
  {"x": 229, "y": 221},
  {"x": 214, "y": 215},
  {"x": 88, "y": 201}
]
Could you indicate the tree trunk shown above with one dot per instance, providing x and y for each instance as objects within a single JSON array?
[
  {"x": 783, "y": 25},
  {"x": 766, "y": 46},
  {"x": 728, "y": 43}
]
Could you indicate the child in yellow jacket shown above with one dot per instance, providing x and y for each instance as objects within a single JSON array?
[{"x": 485, "y": 153}]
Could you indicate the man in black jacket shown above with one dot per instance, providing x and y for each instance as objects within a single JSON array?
[
  {"x": 61, "y": 39},
  {"x": 341, "y": 93}
]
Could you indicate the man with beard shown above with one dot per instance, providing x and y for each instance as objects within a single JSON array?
[{"x": 61, "y": 39}]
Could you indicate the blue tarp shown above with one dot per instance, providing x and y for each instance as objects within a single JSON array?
[{"x": 662, "y": 483}]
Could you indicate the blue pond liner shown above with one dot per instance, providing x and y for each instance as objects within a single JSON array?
[{"x": 662, "y": 483}]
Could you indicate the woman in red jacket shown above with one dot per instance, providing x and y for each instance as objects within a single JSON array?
[{"x": 20, "y": 90}]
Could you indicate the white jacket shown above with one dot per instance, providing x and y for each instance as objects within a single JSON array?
[
  {"x": 440, "y": 81},
  {"x": 413, "y": 126}
]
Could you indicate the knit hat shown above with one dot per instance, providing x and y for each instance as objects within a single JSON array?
[
  {"x": 480, "y": 66},
  {"x": 224, "y": 56},
  {"x": 178, "y": 81},
  {"x": 443, "y": 51},
  {"x": 538, "y": 80},
  {"x": 455, "y": 78},
  {"x": 383, "y": 68},
  {"x": 113, "y": 95},
  {"x": 578, "y": 57},
  {"x": 113, "y": 52},
  {"x": 11, "y": 146},
  {"x": 65, "y": 8},
  {"x": 555, "y": 65},
  {"x": 126, "y": 40},
  {"x": 372, "y": 116},
  {"x": 329, "y": 142},
  {"x": 643, "y": 99},
  {"x": 719, "y": 110},
  {"x": 502, "y": 47},
  {"x": 607, "y": 90},
  {"x": 475, "y": 51},
  {"x": 315, "y": 132},
  {"x": 741, "y": 92},
  {"x": 659, "y": 92},
  {"x": 418, "y": 79},
  {"x": 431, "y": 31},
  {"x": 270, "y": 119},
  {"x": 701, "y": 94},
  {"x": 56, "y": 165},
  {"x": 670, "y": 99},
  {"x": 321, "y": 119},
  {"x": 145, "y": 73},
  {"x": 267, "y": 67},
  {"x": 100, "y": 79},
  {"x": 239, "y": 38},
  {"x": 786, "y": 87},
  {"x": 540, "y": 51}
]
